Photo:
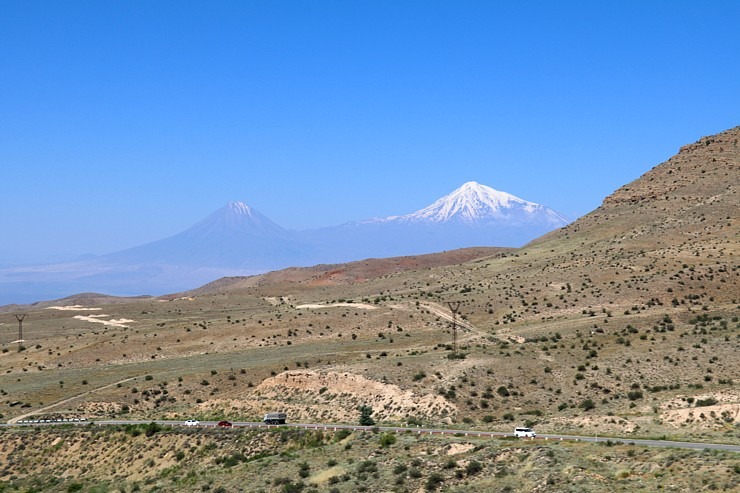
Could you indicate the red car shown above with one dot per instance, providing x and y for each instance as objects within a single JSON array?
[{"x": 224, "y": 424}]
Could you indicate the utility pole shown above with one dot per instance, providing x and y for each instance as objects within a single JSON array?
[
  {"x": 20, "y": 330},
  {"x": 454, "y": 307}
]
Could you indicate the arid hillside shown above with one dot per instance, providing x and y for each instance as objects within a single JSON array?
[
  {"x": 348, "y": 273},
  {"x": 669, "y": 237},
  {"x": 152, "y": 458}
]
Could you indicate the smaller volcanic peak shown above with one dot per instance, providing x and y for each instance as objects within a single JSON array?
[
  {"x": 234, "y": 239},
  {"x": 237, "y": 218}
]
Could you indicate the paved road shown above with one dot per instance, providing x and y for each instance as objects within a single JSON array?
[
  {"x": 70, "y": 399},
  {"x": 419, "y": 431}
]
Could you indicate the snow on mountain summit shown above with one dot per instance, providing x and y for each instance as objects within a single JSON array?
[
  {"x": 237, "y": 207},
  {"x": 473, "y": 202}
]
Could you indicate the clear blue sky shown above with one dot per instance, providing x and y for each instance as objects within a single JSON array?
[{"x": 126, "y": 122}]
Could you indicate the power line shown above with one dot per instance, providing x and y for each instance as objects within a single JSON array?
[
  {"x": 20, "y": 330},
  {"x": 454, "y": 307}
]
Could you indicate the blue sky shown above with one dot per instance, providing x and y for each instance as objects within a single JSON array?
[{"x": 125, "y": 122}]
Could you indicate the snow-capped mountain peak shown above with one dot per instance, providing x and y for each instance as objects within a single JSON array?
[{"x": 473, "y": 202}]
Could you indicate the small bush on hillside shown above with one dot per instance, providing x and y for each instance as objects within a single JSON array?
[
  {"x": 341, "y": 435},
  {"x": 367, "y": 466},
  {"x": 433, "y": 481},
  {"x": 473, "y": 468},
  {"x": 387, "y": 439},
  {"x": 709, "y": 401},
  {"x": 587, "y": 405},
  {"x": 634, "y": 395}
]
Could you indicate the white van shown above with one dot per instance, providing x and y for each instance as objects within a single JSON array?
[{"x": 524, "y": 433}]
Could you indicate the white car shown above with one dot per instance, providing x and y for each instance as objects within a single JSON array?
[
  {"x": 192, "y": 422},
  {"x": 524, "y": 433}
]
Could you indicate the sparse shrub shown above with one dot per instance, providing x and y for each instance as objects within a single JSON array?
[
  {"x": 152, "y": 428},
  {"x": 473, "y": 468},
  {"x": 367, "y": 466},
  {"x": 231, "y": 460},
  {"x": 291, "y": 487},
  {"x": 587, "y": 405},
  {"x": 366, "y": 415},
  {"x": 433, "y": 481},
  {"x": 709, "y": 401},
  {"x": 533, "y": 412},
  {"x": 341, "y": 435},
  {"x": 132, "y": 430},
  {"x": 634, "y": 395},
  {"x": 387, "y": 439}
]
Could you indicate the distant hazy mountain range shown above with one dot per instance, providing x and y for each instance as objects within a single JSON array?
[{"x": 238, "y": 240}]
